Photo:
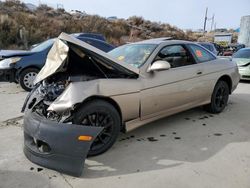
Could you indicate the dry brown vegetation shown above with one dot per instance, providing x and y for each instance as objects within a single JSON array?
[{"x": 20, "y": 27}]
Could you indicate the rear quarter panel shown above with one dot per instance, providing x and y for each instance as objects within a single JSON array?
[{"x": 214, "y": 70}]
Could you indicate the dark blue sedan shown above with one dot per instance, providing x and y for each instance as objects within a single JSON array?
[{"x": 22, "y": 66}]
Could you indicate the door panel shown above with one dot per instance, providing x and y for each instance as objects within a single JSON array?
[
  {"x": 170, "y": 89},
  {"x": 180, "y": 87}
]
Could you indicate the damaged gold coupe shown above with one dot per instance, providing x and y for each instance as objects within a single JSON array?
[{"x": 83, "y": 98}]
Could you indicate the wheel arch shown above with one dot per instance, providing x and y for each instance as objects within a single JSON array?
[
  {"x": 25, "y": 68},
  {"x": 228, "y": 80},
  {"x": 108, "y": 100}
]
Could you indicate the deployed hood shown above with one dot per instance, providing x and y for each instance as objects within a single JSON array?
[
  {"x": 57, "y": 57},
  {"x": 241, "y": 61},
  {"x": 13, "y": 53}
]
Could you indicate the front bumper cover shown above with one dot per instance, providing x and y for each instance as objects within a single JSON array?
[
  {"x": 7, "y": 75},
  {"x": 64, "y": 152}
]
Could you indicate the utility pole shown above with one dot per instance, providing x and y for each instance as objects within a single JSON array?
[
  {"x": 212, "y": 24},
  {"x": 205, "y": 21}
]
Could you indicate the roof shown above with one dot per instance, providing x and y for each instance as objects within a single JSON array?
[
  {"x": 166, "y": 40},
  {"x": 245, "y": 48},
  {"x": 204, "y": 42},
  {"x": 208, "y": 43}
]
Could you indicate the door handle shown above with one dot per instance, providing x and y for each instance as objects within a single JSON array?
[{"x": 199, "y": 73}]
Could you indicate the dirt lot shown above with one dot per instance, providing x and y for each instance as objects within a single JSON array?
[{"x": 191, "y": 149}]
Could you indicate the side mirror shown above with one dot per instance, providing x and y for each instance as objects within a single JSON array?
[{"x": 159, "y": 66}]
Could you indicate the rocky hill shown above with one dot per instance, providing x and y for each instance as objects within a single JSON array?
[{"x": 21, "y": 27}]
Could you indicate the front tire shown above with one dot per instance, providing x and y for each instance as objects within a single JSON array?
[
  {"x": 27, "y": 77},
  {"x": 219, "y": 98},
  {"x": 103, "y": 114}
]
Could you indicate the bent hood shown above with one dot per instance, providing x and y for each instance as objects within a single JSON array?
[
  {"x": 58, "y": 54},
  {"x": 13, "y": 53}
]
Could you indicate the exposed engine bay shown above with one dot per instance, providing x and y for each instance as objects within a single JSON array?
[
  {"x": 48, "y": 91},
  {"x": 78, "y": 65},
  {"x": 82, "y": 70}
]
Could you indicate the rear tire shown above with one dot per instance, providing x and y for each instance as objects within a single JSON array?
[
  {"x": 219, "y": 98},
  {"x": 27, "y": 77},
  {"x": 103, "y": 114}
]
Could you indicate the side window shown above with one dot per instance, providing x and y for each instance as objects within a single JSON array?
[
  {"x": 176, "y": 55},
  {"x": 200, "y": 54}
]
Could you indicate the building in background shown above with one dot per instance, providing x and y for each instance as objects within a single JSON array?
[
  {"x": 244, "y": 37},
  {"x": 223, "y": 39}
]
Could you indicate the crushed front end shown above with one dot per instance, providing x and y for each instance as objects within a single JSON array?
[
  {"x": 70, "y": 75},
  {"x": 50, "y": 139},
  {"x": 57, "y": 146}
]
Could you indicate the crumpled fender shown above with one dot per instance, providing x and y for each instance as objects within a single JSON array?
[
  {"x": 75, "y": 93},
  {"x": 66, "y": 152}
]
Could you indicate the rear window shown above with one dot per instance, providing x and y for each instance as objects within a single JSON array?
[{"x": 200, "y": 54}]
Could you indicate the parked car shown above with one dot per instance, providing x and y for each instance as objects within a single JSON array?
[
  {"x": 79, "y": 106},
  {"x": 218, "y": 47},
  {"x": 231, "y": 49},
  {"x": 210, "y": 46},
  {"x": 22, "y": 66},
  {"x": 236, "y": 47},
  {"x": 242, "y": 58}
]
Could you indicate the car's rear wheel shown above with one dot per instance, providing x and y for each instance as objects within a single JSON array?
[
  {"x": 219, "y": 98},
  {"x": 27, "y": 78},
  {"x": 101, "y": 114}
]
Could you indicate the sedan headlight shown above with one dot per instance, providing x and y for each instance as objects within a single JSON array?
[{"x": 5, "y": 64}]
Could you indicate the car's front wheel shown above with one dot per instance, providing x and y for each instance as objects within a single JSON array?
[
  {"x": 99, "y": 113},
  {"x": 27, "y": 78},
  {"x": 219, "y": 98}
]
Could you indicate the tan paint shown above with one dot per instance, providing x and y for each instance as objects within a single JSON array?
[{"x": 155, "y": 94}]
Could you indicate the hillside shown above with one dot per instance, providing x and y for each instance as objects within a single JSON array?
[{"x": 21, "y": 27}]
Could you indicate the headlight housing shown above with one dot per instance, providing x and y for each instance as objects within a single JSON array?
[{"x": 6, "y": 63}]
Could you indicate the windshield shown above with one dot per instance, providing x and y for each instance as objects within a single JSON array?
[
  {"x": 133, "y": 54},
  {"x": 42, "y": 46},
  {"x": 242, "y": 54}
]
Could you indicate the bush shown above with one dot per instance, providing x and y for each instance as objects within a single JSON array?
[{"x": 30, "y": 27}]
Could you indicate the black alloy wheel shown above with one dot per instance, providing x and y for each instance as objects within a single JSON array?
[
  {"x": 99, "y": 113},
  {"x": 219, "y": 98}
]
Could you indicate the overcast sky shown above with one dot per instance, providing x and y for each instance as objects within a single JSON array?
[{"x": 185, "y": 14}]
